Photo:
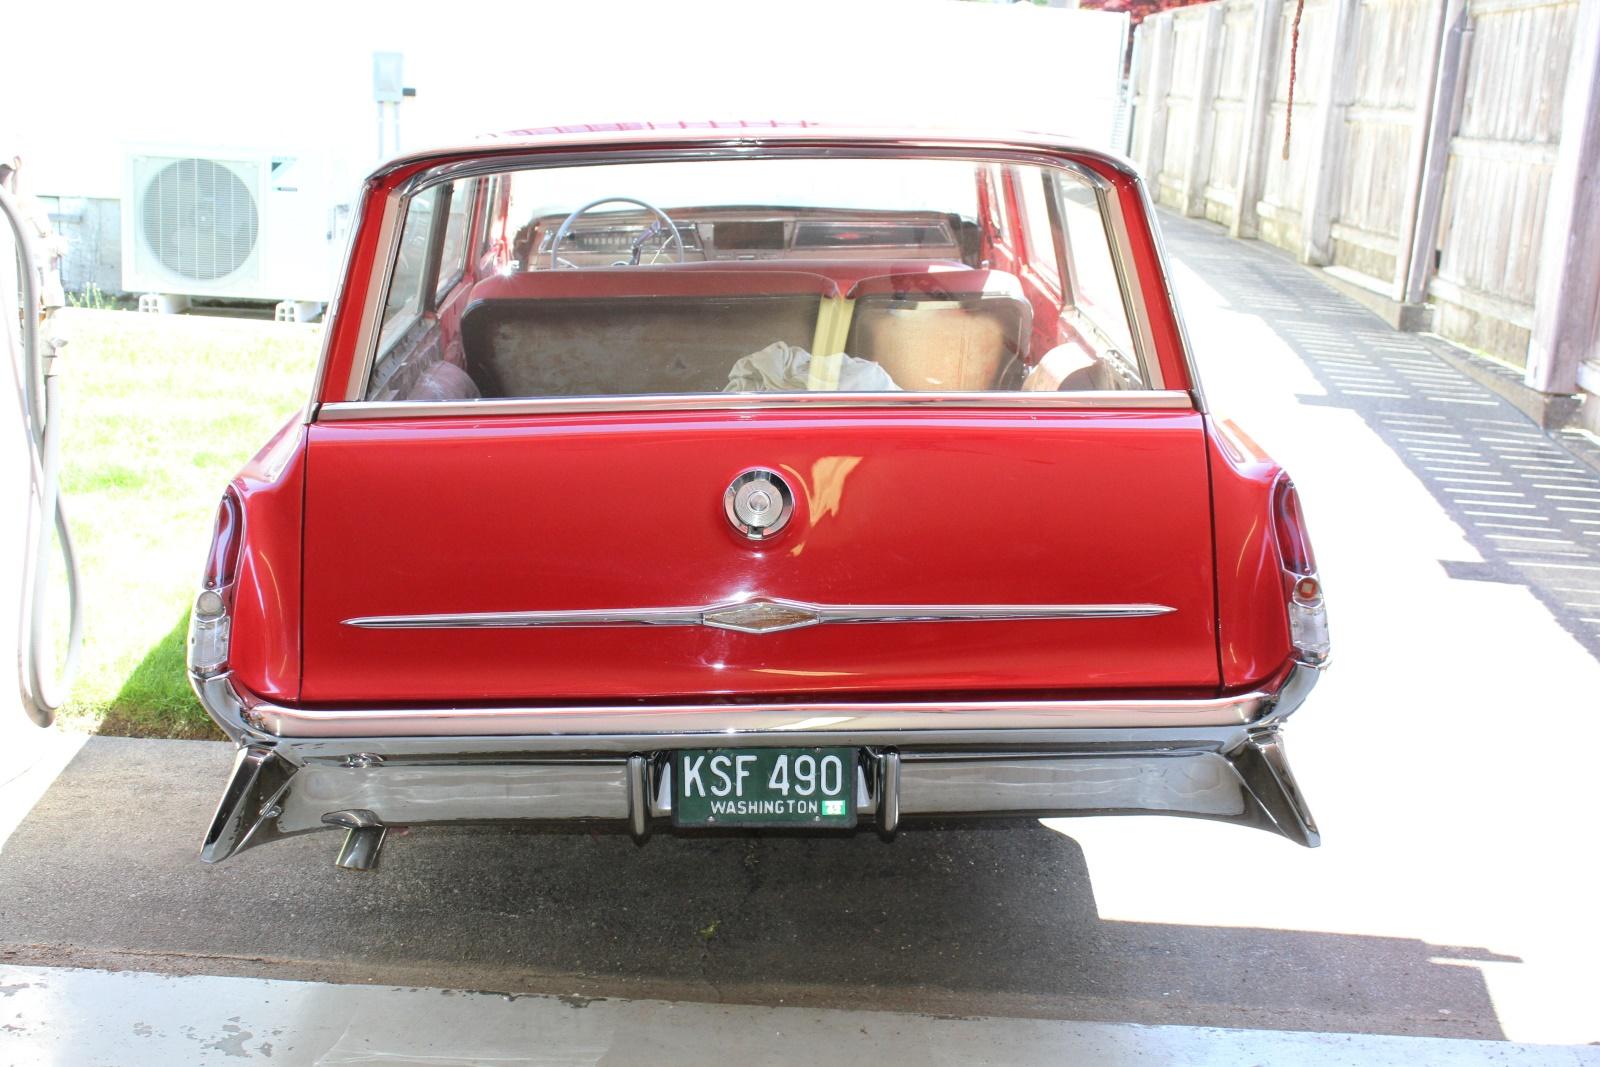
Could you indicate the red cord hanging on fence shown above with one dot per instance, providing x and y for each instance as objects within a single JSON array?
[{"x": 1294, "y": 54}]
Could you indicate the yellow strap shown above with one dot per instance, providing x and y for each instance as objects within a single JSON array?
[{"x": 827, "y": 345}]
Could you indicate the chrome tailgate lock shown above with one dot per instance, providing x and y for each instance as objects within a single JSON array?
[{"x": 758, "y": 503}]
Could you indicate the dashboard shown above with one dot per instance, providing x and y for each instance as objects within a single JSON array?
[{"x": 732, "y": 234}]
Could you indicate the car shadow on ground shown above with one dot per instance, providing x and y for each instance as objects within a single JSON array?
[{"x": 947, "y": 921}]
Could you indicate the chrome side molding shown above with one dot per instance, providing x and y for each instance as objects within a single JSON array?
[{"x": 759, "y": 615}]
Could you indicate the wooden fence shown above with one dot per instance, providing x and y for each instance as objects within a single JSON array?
[{"x": 1444, "y": 161}]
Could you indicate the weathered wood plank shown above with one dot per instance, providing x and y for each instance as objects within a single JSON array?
[
  {"x": 1441, "y": 148},
  {"x": 1324, "y": 165},
  {"x": 1198, "y": 171},
  {"x": 1152, "y": 108},
  {"x": 1219, "y": 198},
  {"x": 1498, "y": 173},
  {"x": 1266, "y": 22}
]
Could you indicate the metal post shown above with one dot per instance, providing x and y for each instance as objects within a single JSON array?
[
  {"x": 1568, "y": 287},
  {"x": 889, "y": 794},
  {"x": 638, "y": 797},
  {"x": 1445, "y": 113},
  {"x": 1433, "y": 107}
]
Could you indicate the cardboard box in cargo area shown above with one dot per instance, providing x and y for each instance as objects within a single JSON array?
[{"x": 944, "y": 346}]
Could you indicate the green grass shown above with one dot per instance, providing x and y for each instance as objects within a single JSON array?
[{"x": 159, "y": 413}]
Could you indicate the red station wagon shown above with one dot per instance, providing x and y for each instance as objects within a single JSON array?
[{"x": 754, "y": 476}]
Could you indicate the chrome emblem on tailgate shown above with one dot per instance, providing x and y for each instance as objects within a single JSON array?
[{"x": 762, "y": 616}]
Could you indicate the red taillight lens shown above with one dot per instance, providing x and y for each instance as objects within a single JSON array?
[
  {"x": 210, "y": 627},
  {"x": 223, "y": 562},
  {"x": 1294, "y": 545},
  {"x": 1308, "y": 616}
]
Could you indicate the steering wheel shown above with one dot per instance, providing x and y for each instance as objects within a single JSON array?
[{"x": 638, "y": 244}]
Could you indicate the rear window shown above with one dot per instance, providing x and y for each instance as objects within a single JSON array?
[{"x": 757, "y": 276}]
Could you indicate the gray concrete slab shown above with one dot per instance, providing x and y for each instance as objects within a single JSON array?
[{"x": 149, "y": 1020}]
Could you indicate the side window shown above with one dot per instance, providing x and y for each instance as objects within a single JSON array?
[
  {"x": 1039, "y": 229},
  {"x": 486, "y": 233},
  {"x": 995, "y": 205},
  {"x": 411, "y": 266},
  {"x": 1095, "y": 290},
  {"x": 453, "y": 251}
]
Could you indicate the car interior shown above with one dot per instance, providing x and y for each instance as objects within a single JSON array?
[{"x": 620, "y": 296}]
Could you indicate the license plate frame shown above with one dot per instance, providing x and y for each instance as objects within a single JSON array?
[{"x": 764, "y": 796}]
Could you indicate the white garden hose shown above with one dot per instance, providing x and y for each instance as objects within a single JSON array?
[{"x": 42, "y": 691}]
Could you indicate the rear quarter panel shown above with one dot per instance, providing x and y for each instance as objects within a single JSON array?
[
  {"x": 1252, "y": 621},
  {"x": 265, "y": 651}
]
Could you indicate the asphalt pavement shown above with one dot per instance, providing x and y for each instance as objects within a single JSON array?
[
  {"x": 1446, "y": 756},
  {"x": 988, "y": 921}
]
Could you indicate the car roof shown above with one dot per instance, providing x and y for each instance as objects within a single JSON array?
[{"x": 749, "y": 132}]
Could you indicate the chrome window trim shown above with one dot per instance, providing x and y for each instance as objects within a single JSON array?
[
  {"x": 442, "y": 289},
  {"x": 1170, "y": 400},
  {"x": 746, "y": 148},
  {"x": 1132, "y": 290},
  {"x": 742, "y": 149},
  {"x": 387, "y": 253},
  {"x": 803, "y": 614},
  {"x": 483, "y": 242}
]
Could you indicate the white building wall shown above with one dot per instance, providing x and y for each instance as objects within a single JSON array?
[{"x": 295, "y": 77}]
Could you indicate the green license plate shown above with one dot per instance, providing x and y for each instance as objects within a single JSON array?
[{"x": 764, "y": 787}]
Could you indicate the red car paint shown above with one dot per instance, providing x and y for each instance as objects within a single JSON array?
[
  {"x": 265, "y": 650},
  {"x": 535, "y": 512},
  {"x": 1253, "y": 633}
]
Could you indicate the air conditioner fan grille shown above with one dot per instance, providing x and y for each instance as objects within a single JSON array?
[{"x": 199, "y": 219}]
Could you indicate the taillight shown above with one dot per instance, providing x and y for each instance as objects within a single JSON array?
[
  {"x": 1308, "y": 613},
  {"x": 223, "y": 559},
  {"x": 1294, "y": 546},
  {"x": 209, "y": 624}
]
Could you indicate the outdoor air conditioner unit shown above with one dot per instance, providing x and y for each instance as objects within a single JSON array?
[{"x": 233, "y": 225}]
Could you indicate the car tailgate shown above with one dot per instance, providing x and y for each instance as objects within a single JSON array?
[{"x": 622, "y": 513}]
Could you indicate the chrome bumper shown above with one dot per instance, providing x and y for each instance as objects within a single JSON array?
[{"x": 1220, "y": 759}]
